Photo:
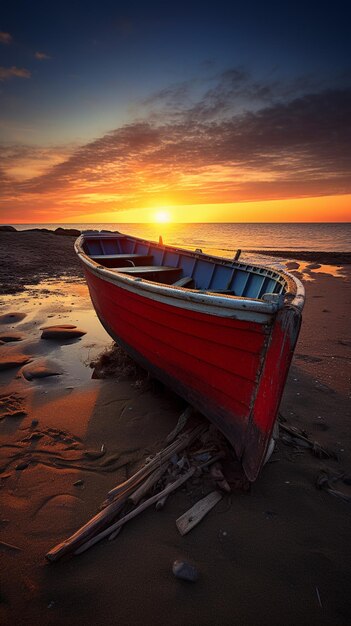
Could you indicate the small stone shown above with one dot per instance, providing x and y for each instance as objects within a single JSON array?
[
  {"x": 292, "y": 265},
  {"x": 35, "y": 422},
  {"x": 60, "y": 333},
  {"x": 313, "y": 266},
  {"x": 185, "y": 571},
  {"x": 78, "y": 483}
]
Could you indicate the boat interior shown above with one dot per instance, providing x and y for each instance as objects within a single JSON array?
[{"x": 182, "y": 268}]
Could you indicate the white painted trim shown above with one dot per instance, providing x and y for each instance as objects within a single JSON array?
[{"x": 221, "y": 306}]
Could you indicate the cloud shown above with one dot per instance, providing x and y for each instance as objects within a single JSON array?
[
  {"x": 11, "y": 72},
  {"x": 297, "y": 147},
  {"x": 23, "y": 162},
  {"x": 41, "y": 56},
  {"x": 5, "y": 38},
  {"x": 229, "y": 93}
]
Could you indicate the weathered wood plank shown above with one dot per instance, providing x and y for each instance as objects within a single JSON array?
[{"x": 193, "y": 516}]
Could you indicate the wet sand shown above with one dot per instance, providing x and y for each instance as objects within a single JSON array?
[{"x": 279, "y": 554}]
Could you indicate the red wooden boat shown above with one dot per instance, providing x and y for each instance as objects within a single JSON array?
[{"x": 220, "y": 333}]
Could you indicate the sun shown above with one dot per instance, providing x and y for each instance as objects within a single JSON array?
[{"x": 162, "y": 217}]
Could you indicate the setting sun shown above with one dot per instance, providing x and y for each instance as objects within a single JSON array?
[{"x": 162, "y": 217}]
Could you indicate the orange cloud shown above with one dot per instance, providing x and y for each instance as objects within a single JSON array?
[
  {"x": 11, "y": 72},
  {"x": 282, "y": 151}
]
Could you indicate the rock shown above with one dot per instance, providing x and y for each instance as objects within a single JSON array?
[
  {"x": 58, "y": 326},
  {"x": 313, "y": 266},
  {"x": 68, "y": 232},
  {"x": 35, "y": 422},
  {"x": 292, "y": 265},
  {"x": 14, "y": 360},
  {"x": 41, "y": 368},
  {"x": 11, "y": 318},
  {"x": 60, "y": 333},
  {"x": 78, "y": 483},
  {"x": 185, "y": 571},
  {"x": 8, "y": 337},
  {"x": 8, "y": 229}
]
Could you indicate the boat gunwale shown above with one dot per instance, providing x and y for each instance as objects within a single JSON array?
[{"x": 295, "y": 296}]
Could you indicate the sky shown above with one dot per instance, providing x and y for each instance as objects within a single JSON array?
[{"x": 122, "y": 112}]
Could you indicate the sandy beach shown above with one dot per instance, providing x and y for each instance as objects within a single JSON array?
[{"x": 277, "y": 554}]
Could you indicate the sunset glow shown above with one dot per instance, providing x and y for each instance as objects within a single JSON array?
[{"x": 107, "y": 127}]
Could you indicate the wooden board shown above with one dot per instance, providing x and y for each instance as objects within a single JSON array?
[{"x": 193, "y": 516}]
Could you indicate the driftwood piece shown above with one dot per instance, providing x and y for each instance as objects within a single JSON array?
[
  {"x": 111, "y": 529},
  {"x": 161, "y": 457},
  {"x": 160, "y": 503},
  {"x": 9, "y": 546},
  {"x": 193, "y": 516},
  {"x": 83, "y": 533},
  {"x": 315, "y": 447},
  {"x": 181, "y": 423},
  {"x": 326, "y": 480},
  {"x": 216, "y": 471},
  {"x": 120, "y": 494},
  {"x": 217, "y": 457},
  {"x": 145, "y": 487},
  {"x": 115, "y": 533}
]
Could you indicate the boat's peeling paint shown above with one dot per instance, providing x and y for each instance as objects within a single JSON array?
[
  {"x": 275, "y": 369},
  {"x": 171, "y": 331}
]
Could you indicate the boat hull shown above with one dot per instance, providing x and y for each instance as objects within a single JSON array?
[{"x": 232, "y": 370}]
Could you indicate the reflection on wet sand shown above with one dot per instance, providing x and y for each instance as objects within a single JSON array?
[
  {"x": 55, "y": 303},
  {"x": 308, "y": 271}
]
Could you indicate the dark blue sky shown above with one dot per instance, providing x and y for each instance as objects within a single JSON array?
[{"x": 106, "y": 58}]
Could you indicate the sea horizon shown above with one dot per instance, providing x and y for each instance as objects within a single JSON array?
[{"x": 224, "y": 238}]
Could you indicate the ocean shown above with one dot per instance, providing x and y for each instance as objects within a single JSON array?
[{"x": 224, "y": 239}]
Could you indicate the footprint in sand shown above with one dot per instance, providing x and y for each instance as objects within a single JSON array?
[
  {"x": 57, "y": 512},
  {"x": 11, "y": 405},
  {"x": 12, "y": 318},
  {"x": 10, "y": 336}
]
